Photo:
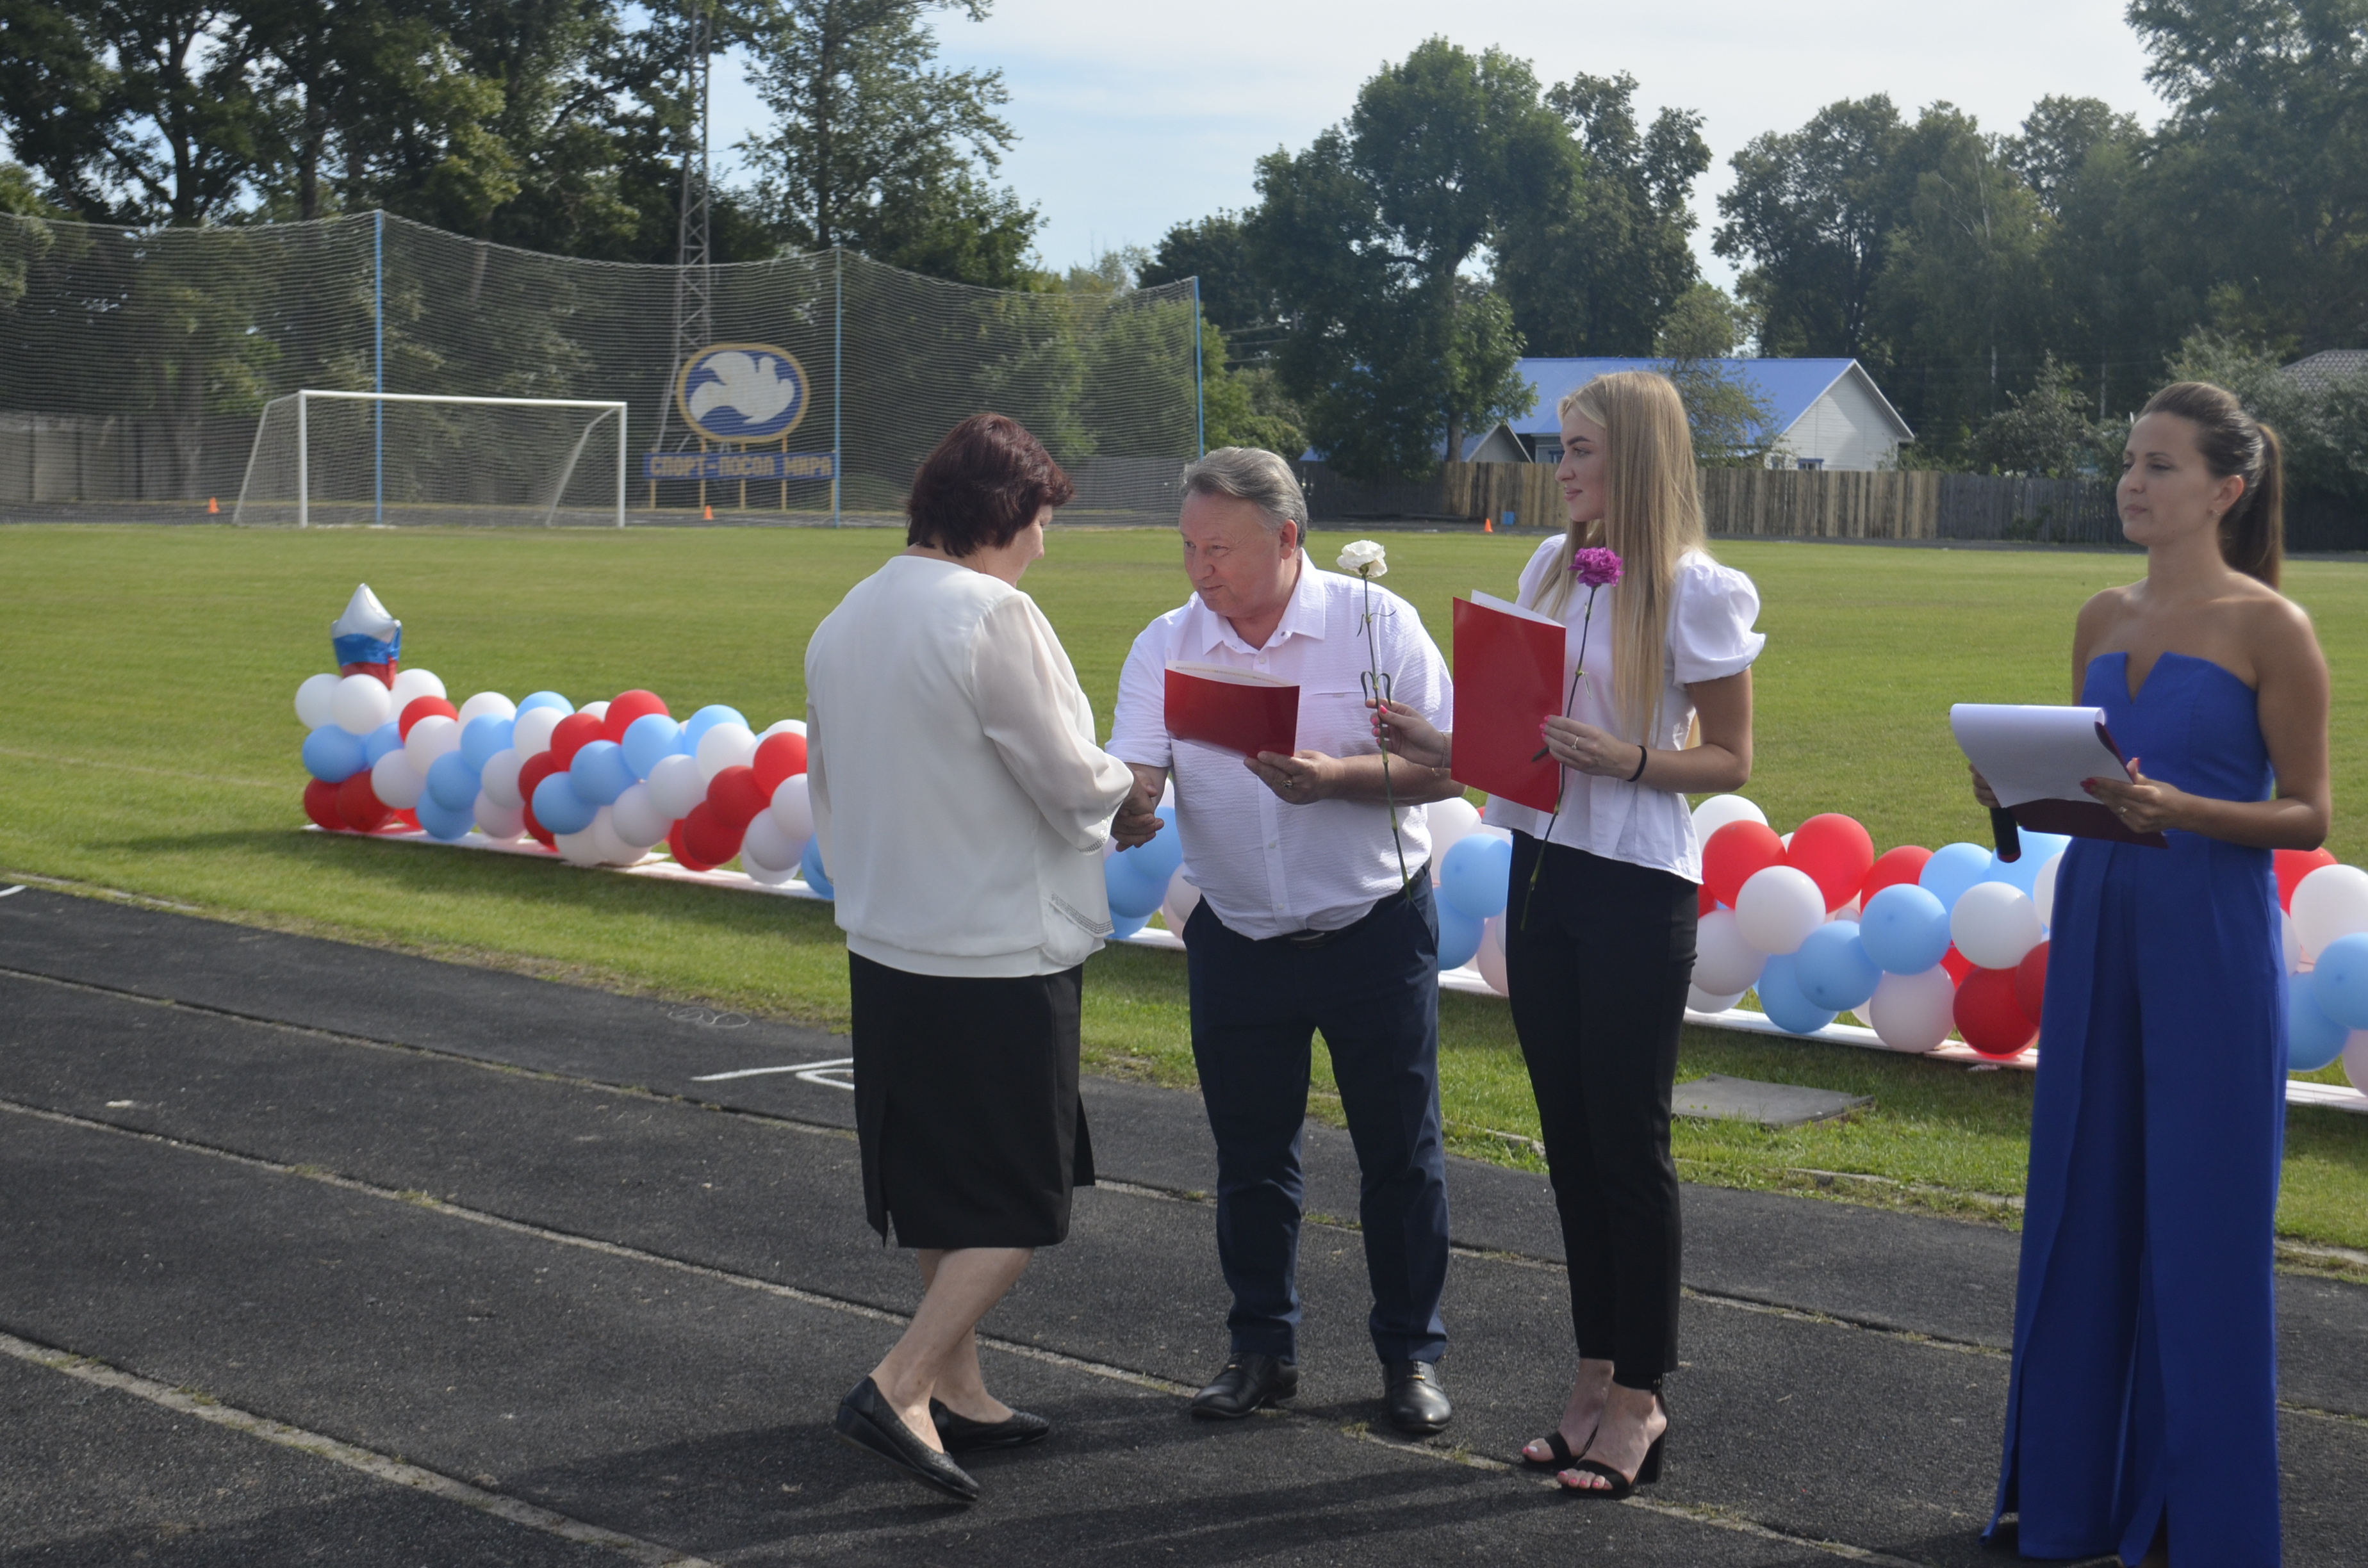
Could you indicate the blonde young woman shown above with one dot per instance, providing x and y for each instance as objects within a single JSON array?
[{"x": 1599, "y": 952}]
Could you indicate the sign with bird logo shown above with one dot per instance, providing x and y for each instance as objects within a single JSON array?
[{"x": 737, "y": 393}]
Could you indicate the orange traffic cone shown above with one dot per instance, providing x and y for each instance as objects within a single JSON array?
[
  {"x": 1486, "y": 525},
  {"x": 711, "y": 513},
  {"x": 213, "y": 507}
]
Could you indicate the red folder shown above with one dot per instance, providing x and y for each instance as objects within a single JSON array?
[
  {"x": 1238, "y": 710},
  {"x": 1509, "y": 667}
]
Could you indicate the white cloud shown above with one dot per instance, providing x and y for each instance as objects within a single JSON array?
[{"x": 1134, "y": 117}]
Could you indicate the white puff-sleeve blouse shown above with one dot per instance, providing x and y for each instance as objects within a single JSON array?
[{"x": 1710, "y": 637}]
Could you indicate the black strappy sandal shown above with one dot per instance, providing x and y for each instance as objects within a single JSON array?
[
  {"x": 1563, "y": 1457},
  {"x": 1621, "y": 1487}
]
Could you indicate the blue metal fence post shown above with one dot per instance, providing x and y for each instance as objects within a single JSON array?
[
  {"x": 377, "y": 371},
  {"x": 1200, "y": 392},
  {"x": 837, "y": 374}
]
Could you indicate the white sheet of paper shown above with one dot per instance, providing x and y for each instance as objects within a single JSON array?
[
  {"x": 1224, "y": 673},
  {"x": 2035, "y": 752},
  {"x": 1491, "y": 601}
]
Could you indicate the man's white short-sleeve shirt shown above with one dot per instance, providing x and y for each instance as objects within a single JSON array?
[{"x": 1265, "y": 867}]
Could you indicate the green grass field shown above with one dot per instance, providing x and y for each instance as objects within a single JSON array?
[{"x": 148, "y": 745}]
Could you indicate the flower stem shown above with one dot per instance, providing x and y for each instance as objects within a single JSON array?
[
  {"x": 1381, "y": 706},
  {"x": 1561, "y": 781}
]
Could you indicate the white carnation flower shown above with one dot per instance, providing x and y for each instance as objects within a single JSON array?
[{"x": 1363, "y": 558}]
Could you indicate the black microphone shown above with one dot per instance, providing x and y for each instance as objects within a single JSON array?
[{"x": 2005, "y": 835}]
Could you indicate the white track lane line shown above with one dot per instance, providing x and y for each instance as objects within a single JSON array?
[{"x": 809, "y": 1071}]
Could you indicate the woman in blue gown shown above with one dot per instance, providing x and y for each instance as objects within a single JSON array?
[{"x": 2142, "y": 1408}]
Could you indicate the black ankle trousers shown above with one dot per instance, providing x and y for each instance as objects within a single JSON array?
[{"x": 1598, "y": 968}]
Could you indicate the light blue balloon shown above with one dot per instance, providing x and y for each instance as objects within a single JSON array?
[
  {"x": 2023, "y": 872},
  {"x": 1474, "y": 879},
  {"x": 1953, "y": 869},
  {"x": 547, "y": 699},
  {"x": 810, "y": 869},
  {"x": 650, "y": 740},
  {"x": 1126, "y": 925},
  {"x": 333, "y": 757},
  {"x": 1459, "y": 936},
  {"x": 1157, "y": 860},
  {"x": 483, "y": 736},
  {"x": 599, "y": 774},
  {"x": 381, "y": 741},
  {"x": 452, "y": 783},
  {"x": 1782, "y": 999},
  {"x": 1832, "y": 968},
  {"x": 1131, "y": 891},
  {"x": 2339, "y": 981},
  {"x": 2312, "y": 1039},
  {"x": 706, "y": 719},
  {"x": 440, "y": 820},
  {"x": 1905, "y": 929},
  {"x": 559, "y": 808}
]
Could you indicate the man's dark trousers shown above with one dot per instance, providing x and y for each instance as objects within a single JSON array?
[{"x": 1373, "y": 990}]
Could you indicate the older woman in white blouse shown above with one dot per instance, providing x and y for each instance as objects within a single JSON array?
[
  {"x": 1599, "y": 934},
  {"x": 962, "y": 806}
]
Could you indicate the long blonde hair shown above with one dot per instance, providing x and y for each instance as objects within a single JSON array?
[{"x": 1652, "y": 516}]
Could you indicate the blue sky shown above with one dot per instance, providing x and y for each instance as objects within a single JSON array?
[{"x": 1132, "y": 117}]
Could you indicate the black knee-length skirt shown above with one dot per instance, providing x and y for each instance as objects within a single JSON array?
[{"x": 966, "y": 1106}]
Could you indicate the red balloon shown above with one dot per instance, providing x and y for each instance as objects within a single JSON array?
[
  {"x": 2030, "y": 982},
  {"x": 2293, "y": 866},
  {"x": 628, "y": 707},
  {"x": 1836, "y": 852},
  {"x": 531, "y": 772},
  {"x": 359, "y": 804},
  {"x": 1957, "y": 964},
  {"x": 1989, "y": 1017},
  {"x": 1733, "y": 853},
  {"x": 682, "y": 855},
  {"x": 419, "y": 708},
  {"x": 407, "y": 818},
  {"x": 707, "y": 837},
  {"x": 1904, "y": 864},
  {"x": 734, "y": 796},
  {"x": 778, "y": 757},
  {"x": 1703, "y": 903},
  {"x": 321, "y": 804},
  {"x": 571, "y": 735}
]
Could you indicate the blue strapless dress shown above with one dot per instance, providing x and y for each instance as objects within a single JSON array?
[{"x": 2144, "y": 1380}]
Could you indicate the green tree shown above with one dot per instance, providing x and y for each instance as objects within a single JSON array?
[
  {"x": 1216, "y": 250},
  {"x": 56, "y": 109},
  {"x": 1595, "y": 273},
  {"x": 1732, "y": 423},
  {"x": 1365, "y": 235},
  {"x": 2045, "y": 431}
]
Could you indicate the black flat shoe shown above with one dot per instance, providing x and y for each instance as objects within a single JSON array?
[
  {"x": 960, "y": 1435},
  {"x": 1620, "y": 1486},
  {"x": 1248, "y": 1382},
  {"x": 866, "y": 1421},
  {"x": 1411, "y": 1394}
]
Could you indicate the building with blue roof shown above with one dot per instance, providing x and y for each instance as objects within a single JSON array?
[{"x": 1824, "y": 413}]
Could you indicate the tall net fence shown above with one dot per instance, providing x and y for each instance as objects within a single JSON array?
[{"x": 136, "y": 369}]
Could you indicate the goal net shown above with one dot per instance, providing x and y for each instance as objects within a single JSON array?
[
  {"x": 345, "y": 458},
  {"x": 140, "y": 372}
]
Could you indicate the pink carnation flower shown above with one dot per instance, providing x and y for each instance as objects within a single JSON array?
[{"x": 1597, "y": 568}]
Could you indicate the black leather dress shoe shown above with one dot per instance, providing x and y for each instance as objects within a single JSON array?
[
  {"x": 960, "y": 1435},
  {"x": 1248, "y": 1382},
  {"x": 867, "y": 1421},
  {"x": 1417, "y": 1403}
]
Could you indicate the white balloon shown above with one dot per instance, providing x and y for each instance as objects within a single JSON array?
[
  {"x": 1490, "y": 959},
  {"x": 1777, "y": 909},
  {"x": 499, "y": 779},
  {"x": 637, "y": 819},
  {"x": 784, "y": 727},
  {"x": 1720, "y": 810},
  {"x": 1994, "y": 925},
  {"x": 531, "y": 736},
  {"x": 764, "y": 878},
  {"x": 486, "y": 702},
  {"x": 724, "y": 745},
  {"x": 578, "y": 848},
  {"x": 677, "y": 785},
  {"x": 410, "y": 685},
  {"x": 2043, "y": 888},
  {"x": 614, "y": 850},
  {"x": 1723, "y": 962},
  {"x": 767, "y": 846},
  {"x": 2355, "y": 1058},
  {"x": 597, "y": 711},
  {"x": 1701, "y": 1001},
  {"x": 503, "y": 824},
  {"x": 312, "y": 699},
  {"x": 396, "y": 782},
  {"x": 1913, "y": 1012},
  {"x": 2289, "y": 943},
  {"x": 792, "y": 808},
  {"x": 1182, "y": 898},
  {"x": 1452, "y": 821},
  {"x": 360, "y": 704},
  {"x": 2331, "y": 903},
  {"x": 429, "y": 739}
]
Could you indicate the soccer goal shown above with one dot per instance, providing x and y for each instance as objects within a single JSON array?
[{"x": 408, "y": 457}]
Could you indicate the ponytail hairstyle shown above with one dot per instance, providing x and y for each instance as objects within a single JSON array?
[
  {"x": 1652, "y": 516},
  {"x": 2253, "y": 531}
]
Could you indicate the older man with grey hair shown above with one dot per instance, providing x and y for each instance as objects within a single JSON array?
[{"x": 1315, "y": 914}]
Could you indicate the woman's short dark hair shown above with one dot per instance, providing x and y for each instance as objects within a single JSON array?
[
  {"x": 2253, "y": 534},
  {"x": 986, "y": 481}
]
